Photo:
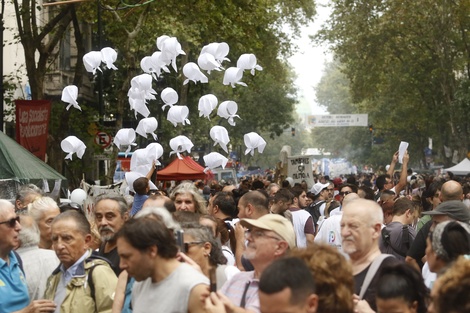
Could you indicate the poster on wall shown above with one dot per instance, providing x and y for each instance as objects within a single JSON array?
[
  {"x": 32, "y": 121},
  {"x": 300, "y": 169}
]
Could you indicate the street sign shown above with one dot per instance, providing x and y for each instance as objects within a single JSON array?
[
  {"x": 337, "y": 120},
  {"x": 103, "y": 139}
]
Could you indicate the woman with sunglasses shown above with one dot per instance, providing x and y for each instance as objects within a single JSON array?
[{"x": 202, "y": 247}]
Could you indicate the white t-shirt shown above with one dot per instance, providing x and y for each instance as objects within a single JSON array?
[{"x": 330, "y": 232}]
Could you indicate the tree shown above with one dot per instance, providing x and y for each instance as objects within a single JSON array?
[
  {"x": 249, "y": 26},
  {"x": 406, "y": 61}
]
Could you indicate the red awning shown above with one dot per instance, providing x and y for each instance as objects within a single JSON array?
[{"x": 182, "y": 169}]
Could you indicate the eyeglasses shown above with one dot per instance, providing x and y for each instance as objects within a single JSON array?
[
  {"x": 188, "y": 244},
  {"x": 345, "y": 193},
  {"x": 12, "y": 222},
  {"x": 256, "y": 234}
]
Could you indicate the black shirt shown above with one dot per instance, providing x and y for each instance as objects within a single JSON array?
[
  {"x": 418, "y": 248},
  {"x": 369, "y": 296},
  {"x": 113, "y": 258}
]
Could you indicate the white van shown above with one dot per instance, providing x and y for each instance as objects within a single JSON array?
[{"x": 229, "y": 175}]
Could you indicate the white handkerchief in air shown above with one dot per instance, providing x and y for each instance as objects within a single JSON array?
[
  {"x": 125, "y": 137},
  {"x": 169, "y": 97},
  {"x": 214, "y": 160},
  {"x": 92, "y": 61},
  {"x": 178, "y": 114},
  {"x": 248, "y": 62},
  {"x": 233, "y": 76},
  {"x": 220, "y": 136},
  {"x": 228, "y": 110},
  {"x": 109, "y": 56},
  {"x": 207, "y": 104},
  {"x": 72, "y": 145},
  {"x": 254, "y": 141},
  {"x": 147, "y": 126},
  {"x": 193, "y": 73},
  {"x": 70, "y": 95},
  {"x": 179, "y": 144}
]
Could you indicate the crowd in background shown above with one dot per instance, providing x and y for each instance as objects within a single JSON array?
[{"x": 387, "y": 242}]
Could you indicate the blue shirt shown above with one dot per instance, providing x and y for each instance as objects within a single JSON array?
[
  {"x": 67, "y": 275},
  {"x": 13, "y": 288},
  {"x": 138, "y": 203}
]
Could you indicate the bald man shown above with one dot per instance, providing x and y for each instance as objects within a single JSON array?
[
  {"x": 361, "y": 226},
  {"x": 451, "y": 190},
  {"x": 160, "y": 201}
]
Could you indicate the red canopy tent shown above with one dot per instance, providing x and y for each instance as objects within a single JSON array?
[{"x": 183, "y": 169}]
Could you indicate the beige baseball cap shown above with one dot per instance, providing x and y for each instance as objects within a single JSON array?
[{"x": 273, "y": 222}]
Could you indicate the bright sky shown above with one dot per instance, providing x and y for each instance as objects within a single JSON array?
[{"x": 308, "y": 63}]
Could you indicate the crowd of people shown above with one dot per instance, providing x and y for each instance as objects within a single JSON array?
[{"x": 366, "y": 243}]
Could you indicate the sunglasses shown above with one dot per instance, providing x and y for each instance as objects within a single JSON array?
[
  {"x": 345, "y": 193},
  {"x": 11, "y": 222},
  {"x": 187, "y": 245}
]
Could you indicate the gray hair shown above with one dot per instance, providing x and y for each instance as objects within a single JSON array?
[
  {"x": 37, "y": 208},
  {"x": 26, "y": 190},
  {"x": 29, "y": 234},
  {"x": 204, "y": 234},
  {"x": 188, "y": 187},
  {"x": 123, "y": 204},
  {"x": 161, "y": 214},
  {"x": 4, "y": 205}
]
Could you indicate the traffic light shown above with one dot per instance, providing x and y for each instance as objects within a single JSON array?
[
  {"x": 293, "y": 131},
  {"x": 371, "y": 128}
]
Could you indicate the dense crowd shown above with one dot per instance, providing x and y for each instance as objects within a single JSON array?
[{"x": 387, "y": 242}]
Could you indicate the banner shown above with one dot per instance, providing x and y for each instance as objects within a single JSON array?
[
  {"x": 337, "y": 120},
  {"x": 300, "y": 169},
  {"x": 32, "y": 121}
]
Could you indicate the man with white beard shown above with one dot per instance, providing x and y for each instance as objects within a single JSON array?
[
  {"x": 361, "y": 227},
  {"x": 111, "y": 212}
]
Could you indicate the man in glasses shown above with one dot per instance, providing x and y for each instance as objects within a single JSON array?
[
  {"x": 13, "y": 288},
  {"x": 269, "y": 238}
]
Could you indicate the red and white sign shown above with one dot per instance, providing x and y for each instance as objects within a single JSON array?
[
  {"x": 103, "y": 139},
  {"x": 32, "y": 120}
]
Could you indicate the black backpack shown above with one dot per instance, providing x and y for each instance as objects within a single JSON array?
[
  {"x": 405, "y": 240},
  {"x": 314, "y": 210}
]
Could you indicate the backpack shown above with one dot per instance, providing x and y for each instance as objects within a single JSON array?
[
  {"x": 405, "y": 240},
  {"x": 90, "y": 282},
  {"x": 314, "y": 210}
]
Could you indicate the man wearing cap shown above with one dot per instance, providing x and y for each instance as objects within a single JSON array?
[
  {"x": 252, "y": 205},
  {"x": 322, "y": 193},
  {"x": 269, "y": 238},
  {"x": 455, "y": 210},
  {"x": 452, "y": 210}
]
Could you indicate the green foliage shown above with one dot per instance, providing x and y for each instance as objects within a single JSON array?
[
  {"x": 267, "y": 103},
  {"x": 406, "y": 61}
]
